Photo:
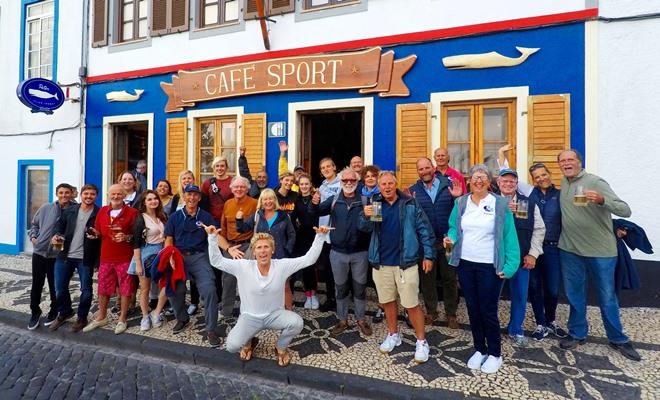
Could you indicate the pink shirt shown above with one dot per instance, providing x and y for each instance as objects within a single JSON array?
[{"x": 455, "y": 176}]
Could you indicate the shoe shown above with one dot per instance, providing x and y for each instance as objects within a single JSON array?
[
  {"x": 34, "y": 321},
  {"x": 329, "y": 305},
  {"x": 121, "y": 327},
  {"x": 452, "y": 322},
  {"x": 169, "y": 312},
  {"x": 570, "y": 343},
  {"x": 540, "y": 333},
  {"x": 308, "y": 303},
  {"x": 390, "y": 342},
  {"x": 380, "y": 315},
  {"x": 145, "y": 324},
  {"x": 50, "y": 318},
  {"x": 421, "y": 352},
  {"x": 407, "y": 319},
  {"x": 95, "y": 324},
  {"x": 627, "y": 350},
  {"x": 365, "y": 328},
  {"x": 339, "y": 328},
  {"x": 192, "y": 309},
  {"x": 315, "y": 302},
  {"x": 477, "y": 360},
  {"x": 519, "y": 340},
  {"x": 556, "y": 330},
  {"x": 180, "y": 326},
  {"x": 59, "y": 321},
  {"x": 156, "y": 321},
  {"x": 430, "y": 318},
  {"x": 491, "y": 365},
  {"x": 79, "y": 325},
  {"x": 214, "y": 340}
]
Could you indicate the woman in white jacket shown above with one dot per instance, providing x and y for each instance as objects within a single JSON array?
[{"x": 260, "y": 282}]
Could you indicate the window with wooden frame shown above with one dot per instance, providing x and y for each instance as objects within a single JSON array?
[
  {"x": 314, "y": 4},
  {"x": 472, "y": 132},
  {"x": 168, "y": 16},
  {"x": 39, "y": 32},
  {"x": 215, "y": 136},
  {"x": 271, "y": 7},
  {"x": 133, "y": 20},
  {"x": 217, "y": 12}
]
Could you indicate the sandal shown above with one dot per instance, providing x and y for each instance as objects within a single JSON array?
[
  {"x": 283, "y": 357},
  {"x": 246, "y": 351}
]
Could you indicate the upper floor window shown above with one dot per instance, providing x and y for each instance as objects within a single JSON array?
[
  {"x": 133, "y": 20},
  {"x": 218, "y": 12},
  {"x": 312, "y": 4},
  {"x": 39, "y": 33}
]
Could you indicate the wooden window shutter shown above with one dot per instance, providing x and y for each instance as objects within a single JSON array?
[
  {"x": 159, "y": 17},
  {"x": 254, "y": 140},
  {"x": 177, "y": 148},
  {"x": 549, "y": 130},
  {"x": 179, "y": 16},
  {"x": 413, "y": 140},
  {"x": 100, "y": 21},
  {"x": 282, "y": 6},
  {"x": 250, "y": 9}
]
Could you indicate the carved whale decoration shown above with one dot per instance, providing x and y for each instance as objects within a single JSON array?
[
  {"x": 487, "y": 60},
  {"x": 124, "y": 95}
]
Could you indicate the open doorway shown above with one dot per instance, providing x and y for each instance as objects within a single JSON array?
[
  {"x": 330, "y": 133},
  {"x": 129, "y": 145}
]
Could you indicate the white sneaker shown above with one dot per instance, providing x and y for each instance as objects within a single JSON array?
[
  {"x": 390, "y": 342},
  {"x": 120, "y": 328},
  {"x": 491, "y": 365},
  {"x": 192, "y": 309},
  {"x": 315, "y": 302},
  {"x": 421, "y": 352},
  {"x": 145, "y": 324},
  {"x": 308, "y": 304},
  {"x": 156, "y": 321},
  {"x": 477, "y": 360}
]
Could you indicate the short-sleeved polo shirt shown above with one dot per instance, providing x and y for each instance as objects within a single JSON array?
[{"x": 188, "y": 237}]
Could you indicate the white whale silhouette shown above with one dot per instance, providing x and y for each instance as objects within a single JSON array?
[
  {"x": 42, "y": 95},
  {"x": 124, "y": 95},
  {"x": 487, "y": 60}
]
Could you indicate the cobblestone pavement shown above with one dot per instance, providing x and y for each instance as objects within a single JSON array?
[
  {"x": 540, "y": 371},
  {"x": 38, "y": 367}
]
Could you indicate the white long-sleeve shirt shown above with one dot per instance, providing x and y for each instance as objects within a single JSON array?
[{"x": 261, "y": 295}]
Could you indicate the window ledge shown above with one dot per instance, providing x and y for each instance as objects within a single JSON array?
[
  {"x": 209, "y": 31},
  {"x": 329, "y": 7},
  {"x": 130, "y": 45},
  {"x": 331, "y": 10}
]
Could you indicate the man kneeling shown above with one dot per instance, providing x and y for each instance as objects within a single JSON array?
[{"x": 260, "y": 282}]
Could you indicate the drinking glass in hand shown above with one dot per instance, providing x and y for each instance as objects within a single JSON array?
[
  {"x": 449, "y": 246},
  {"x": 376, "y": 211},
  {"x": 58, "y": 245},
  {"x": 580, "y": 198},
  {"x": 521, "y": 210}
]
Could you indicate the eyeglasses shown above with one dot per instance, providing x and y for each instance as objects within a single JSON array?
[
  {"x": 480, "y": 178},
  {"x": 349, "y": 180}
]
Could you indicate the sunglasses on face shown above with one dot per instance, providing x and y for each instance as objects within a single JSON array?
[{"x": 349, "y": 180}]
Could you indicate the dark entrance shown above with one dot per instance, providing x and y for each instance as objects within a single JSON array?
[
  {"x": 330, "y": 133},
  {"x": 129, "y": 145}
]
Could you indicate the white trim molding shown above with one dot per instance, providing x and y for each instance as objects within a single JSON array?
[
  {"x": 591, "y": 96},
  {"x": 212, "y": 112},
  {"x": 294, "y": 131},
  {"x": 520, "y": 93}
]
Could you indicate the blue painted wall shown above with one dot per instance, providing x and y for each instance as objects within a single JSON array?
[{"x": 557, "y": 68}]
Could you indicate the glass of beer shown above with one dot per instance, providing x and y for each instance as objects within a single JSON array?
[
  {"x": 376, "y": 211},
  {"x": 521, "y": 210},
  {"x": 448, "y": 247},
  {"x": 580, "y": 199},
  {"x": 59, "y": 243}
]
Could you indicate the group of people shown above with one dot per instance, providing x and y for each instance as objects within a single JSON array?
[{"x": 232, "y": 235}]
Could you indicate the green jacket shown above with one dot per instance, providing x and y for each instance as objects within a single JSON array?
[
  {"x": 506, "y": 251},
  {"x": 587, "y": 231}
]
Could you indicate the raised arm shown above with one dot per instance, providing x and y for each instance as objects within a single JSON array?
[
  {"x": 224, "y": 264},
  {"x": 291, "y": 265}
]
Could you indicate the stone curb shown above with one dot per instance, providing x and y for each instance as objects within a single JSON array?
[{"x": 311, "y": 377}]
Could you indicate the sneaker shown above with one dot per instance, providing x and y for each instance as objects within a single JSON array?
[
  {"x": 407, "y": 319},
  {"x": 491, "y": 365},
  {"x": 308, "y": 303},
  {"x": 339, "y": 328},
  {"x": 192, "y": 309},
  {"x": 540, "y": 333},
  {"x": 145, "y": 324},
  {"x": 380, "y": 315},
  {"x": 477, "y": 360},
  {"x": 315, "y": 302},
  {"x": 556, "y": 330},
  {"x": 180, "y": 326},
  {"x": 365, "y": 328},
  {"x": 121, "y": 328},
  {"x": 627, "y": 350},
  {"x": 519, "y": 340},
  {"x": 391, "y": 341},
  {"x": 34, "y": 321},
  {"x": 329, "y": 305},
  {"x": 156, "y": 321},
  {"x": 95, "y": 324},
  {"x": 570, "y": 343},
  {"x": 421, "y": 352},
  {"x": 169, "y": 311},
  {"x": 50, "y": 318},
  {"x": 79, "y": 325},
  {"x": 214, "y": 340},
  {"x": 59, "y": 321}
]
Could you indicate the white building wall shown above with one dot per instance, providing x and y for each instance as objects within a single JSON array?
[
  {"x": 629, "y": 110},
  {"x": 63, "y": 147}
]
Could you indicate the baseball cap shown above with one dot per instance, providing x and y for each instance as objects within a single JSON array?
[
  {"x": 298, "y": 167},
  {"x": 192, "y": 189},
  {"x": 508, "y": 171}
]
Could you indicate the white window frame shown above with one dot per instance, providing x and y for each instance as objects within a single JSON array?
[{"x": 40, "y": 18}]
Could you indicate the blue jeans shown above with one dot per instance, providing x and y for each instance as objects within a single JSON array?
[
  {"x": 64, "y": 269},
  {"x": 574, "y": 269},
  {"x": 518, "y": 285},
  {"x": 544, "y": 282}
]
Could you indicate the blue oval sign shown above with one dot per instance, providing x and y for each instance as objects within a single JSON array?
[{"x": 40, "y": 95}]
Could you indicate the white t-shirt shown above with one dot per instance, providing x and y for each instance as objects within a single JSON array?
[{"x": 478, "y": 227}]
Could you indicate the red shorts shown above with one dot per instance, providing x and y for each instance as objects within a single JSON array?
[{"x": 112, "y": 272}]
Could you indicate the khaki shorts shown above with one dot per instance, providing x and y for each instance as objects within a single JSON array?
[{"x": 391, "y": 280}]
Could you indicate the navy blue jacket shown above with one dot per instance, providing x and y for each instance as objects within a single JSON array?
[
  {"x": 282, "y": 231},
  {"x": 344, "y": 217},
  {"x": 437, "y": 211},
  {"x": 625, "y": 273},
  {"x": 548, "y": 205}
]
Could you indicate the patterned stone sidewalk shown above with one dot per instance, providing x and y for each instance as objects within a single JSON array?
[{"x": 540, "y": 371}]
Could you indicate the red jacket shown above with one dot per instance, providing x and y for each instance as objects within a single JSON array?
[
  {"x": 112, "y": 251},
  {"x": 164, "y": 274}
]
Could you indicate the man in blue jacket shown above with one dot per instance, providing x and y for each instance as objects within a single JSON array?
[{"x": 404, "y": 229}]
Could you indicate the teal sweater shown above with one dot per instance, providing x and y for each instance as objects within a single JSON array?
[{"x": 506, "y": 251}]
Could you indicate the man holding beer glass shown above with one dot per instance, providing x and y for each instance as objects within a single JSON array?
[
  {"x": 531, "y": 231},
  {"x": 587, "y": 244}
]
